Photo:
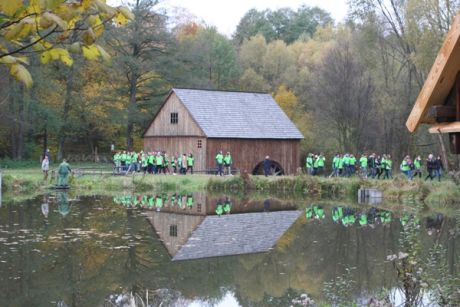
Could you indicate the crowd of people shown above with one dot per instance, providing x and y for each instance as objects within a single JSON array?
[
  {"x": 373, "y": 166},
  {"x": 157, "y": 162},
  {"x": 153, "y": 162}
]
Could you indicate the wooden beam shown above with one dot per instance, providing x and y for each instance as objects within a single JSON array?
[
  {"x": 443, "y": 113},
  {"x": 441, "y": 78},
  {"x": 445, "y": 128}
]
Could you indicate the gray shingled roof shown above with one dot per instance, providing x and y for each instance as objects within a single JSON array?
[
  {"x": 223, "y": 114},
  {"x": 236, "y": 234}
]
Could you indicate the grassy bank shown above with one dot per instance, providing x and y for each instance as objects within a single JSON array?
[
  {"x": 444, "y": 193},
  {"x": 29, "y": 182}
]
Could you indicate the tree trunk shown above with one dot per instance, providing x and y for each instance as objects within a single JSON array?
[
  {"x": 65, "y": 113},
  {"x": 131, "y": 110},
  {"x": 443, "y": 153}
]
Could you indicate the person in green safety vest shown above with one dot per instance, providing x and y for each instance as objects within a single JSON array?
[
  {"x": 405, "y": 167},
  {"x": 363, "y": 166},
  {"x": 173, "y": 199},
  {"x": 151, "y": 202},
  {"x": 315, "y": 165},
  {"x": 165, "y": 163},
  {"x": 123, "y": 157},
  {"x": 190, "y": 163},
  {"x": 219, "y": 208},
  {"x": 144, "y": 162},
  {"x": 309, "y": 164},
  {"x": 220, "y": 163},
  {"x": 418, "y": 167},
  {"x": 388, "y": 167},
  {"x": 320, "y": 164},
  {"x": 63, "y": 172},
  {"x": 159, "y": 163},
  {"x": 352, "y": 163},
  {"x": 228, "y": 163},
  {"x": 335, "y": 166}
]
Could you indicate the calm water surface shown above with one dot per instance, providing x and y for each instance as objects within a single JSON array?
[{"x": 199, "y": 250}]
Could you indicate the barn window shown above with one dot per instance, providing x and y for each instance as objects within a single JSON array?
[
  {"x": 174, "y": 118},
  {"x": 199, "y": 144},
  {"x": 173, "y": 230}
]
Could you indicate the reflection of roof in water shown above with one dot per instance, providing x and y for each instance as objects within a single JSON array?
[{"x": 236, "y": 234}]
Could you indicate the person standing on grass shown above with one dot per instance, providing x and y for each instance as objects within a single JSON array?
[
  {"x": 418, "y": 167},
  {"x": 45, "y": 167},
  {"x": 63, "y": 172},
  {"x": 430, "y": 167},
  {"x": 220, "y": 163},
  {"x": 228, "y": 163},
  {"x": 190, "y": 163},
  {"x": 439, "y": 167}
]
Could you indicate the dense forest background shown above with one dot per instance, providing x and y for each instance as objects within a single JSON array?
[{"x": 349, "y": 86}]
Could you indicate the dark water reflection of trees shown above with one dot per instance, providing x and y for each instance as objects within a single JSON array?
[{"x": 83, "y": 253}]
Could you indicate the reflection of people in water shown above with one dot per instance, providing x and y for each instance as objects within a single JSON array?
[
  {"x": 63, "y": 203},
  {"x": 433, "y": 225},
  {"x": 385, "y": 217},
  {"x": 219, "y": 208},
  {"x": 309, "y": 213},
  {"x": 266, "y": 205},
  {"x": 349, "y": 217},
  {"x": 363, "y": 219},
  {"x": 337, "y": 214},
  {"x": 227, "y": 206},
  {"x": 45, "y": 206},
  {"x": 190, "y": 200},
  {"x": 319, "y": 212},
  {"x": 158, "y": 202}
]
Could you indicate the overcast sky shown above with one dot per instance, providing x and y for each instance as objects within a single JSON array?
[{"x": 225, "y": 14}]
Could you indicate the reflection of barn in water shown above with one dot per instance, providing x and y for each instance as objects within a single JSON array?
[{"x": 196, "y": 232}]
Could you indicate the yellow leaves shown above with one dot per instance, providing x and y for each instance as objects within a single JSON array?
[
  {"x": 10, "y": 7},
  {"x": 126, "y": 12},
  {"x": 104, "y": 55},
  {"x": 121, "y": 19},
  {"x": 56, "y": 54},
  {"x": 123, "y": 16},
  {"x": 20, "y": 73},
  {"x": 53, "y": 18},
  {"x": 96, "y": 24},
  {"x": 91, "y": 52}
]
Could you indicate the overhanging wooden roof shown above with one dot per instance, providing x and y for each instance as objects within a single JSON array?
[{"x": 439, "y": 82}]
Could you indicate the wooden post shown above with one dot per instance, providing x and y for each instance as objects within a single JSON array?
[
  {"x": 0, "y": 188},
  {"x": 444, "y": 153},
  {"x": 455, "y": 137}
]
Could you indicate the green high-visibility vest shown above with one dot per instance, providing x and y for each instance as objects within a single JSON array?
[
  {"x": 389, "y": 164},
  {"x": 116, "y": 158},
  {"x": 352, "y": 161},
  {"x": 321, "y": 161},
  {"x": 159, "y": 160},
  {"x": 363, "y": 219},
  {"x": 219, "y": 158},
  {"x": 228, "y": 159},
  {"x": 219, "y": 209},
  {"x": 346, "y": 161},
  {"x": 190, "y": 161},
  {"x": 405, "y": 166},
  {"x": 123, "y": 157},
  {"x": 418, "y": 163},
  {"x": 189, "y": 201},
  {"x": 309, "y": 162},
  {"x": 363, "y": 162},
  {"x": 341, "y": 161}
]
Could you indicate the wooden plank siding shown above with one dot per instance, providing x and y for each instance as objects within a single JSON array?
[
  {"x": 173, "y": 145},
  {"x": 440, "y": 80},
  {"x": 247, "y": 153},
  {"x": 161, "y": 125}
]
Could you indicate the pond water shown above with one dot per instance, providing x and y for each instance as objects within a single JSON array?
[{"x": 202, "y": 250}]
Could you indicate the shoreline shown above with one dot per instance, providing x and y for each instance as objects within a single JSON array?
[{"x": 17, "y": 183}]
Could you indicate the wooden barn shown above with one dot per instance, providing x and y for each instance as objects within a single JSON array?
[
  {"x": 248, "y": 125},
  {"x": 438, "y": 103}
]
